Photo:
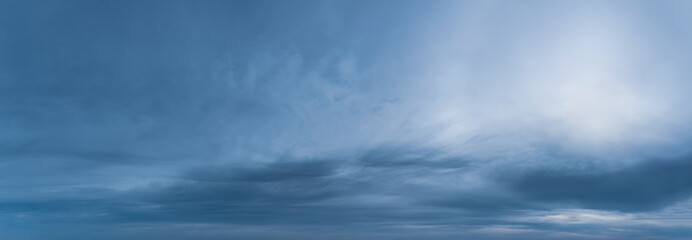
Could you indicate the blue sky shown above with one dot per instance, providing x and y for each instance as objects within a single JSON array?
[{"x": 345, "y": 120}]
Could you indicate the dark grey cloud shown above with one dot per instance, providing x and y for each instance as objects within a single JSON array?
[
  {"x": 286, "y": 191},
  {"x": 403, "y": 157},
  {"x": 649, "y": 185},
  {"x": 291, "y": 190},
  {"x": 294, "y": 191},
  {"x": 376, "y": 186},
  {"x": 273, "y": 172}
]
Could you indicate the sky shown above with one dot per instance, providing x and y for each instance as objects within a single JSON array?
[{"x": 322, "y": 119}]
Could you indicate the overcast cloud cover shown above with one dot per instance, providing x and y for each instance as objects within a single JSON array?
[{"x": 345, "y": 120}]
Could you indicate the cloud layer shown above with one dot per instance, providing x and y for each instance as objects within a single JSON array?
[{"x": 342, "y": 120}]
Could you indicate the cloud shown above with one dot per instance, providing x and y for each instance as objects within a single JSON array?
[
  {"x": 645, "y": 186},
  {"x": 369, "y": 187},
  {"x": 389, "y": 186},
  {"x": 328, "y": 120}
]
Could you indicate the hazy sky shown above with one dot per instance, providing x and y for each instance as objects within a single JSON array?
[{"x": 345, "y": 120}]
